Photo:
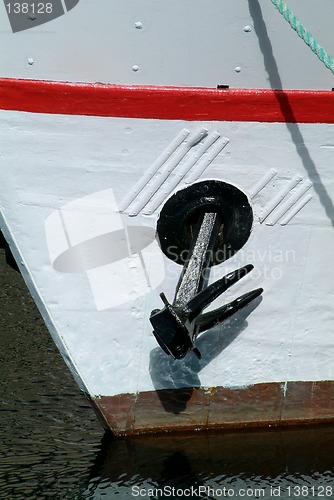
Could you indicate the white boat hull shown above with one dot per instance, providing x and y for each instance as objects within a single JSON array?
[
  {"x": 86, "y": 171},
  {"x": 101, "y": 323}
]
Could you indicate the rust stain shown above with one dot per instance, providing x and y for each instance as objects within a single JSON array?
[{"x": 218, "y": 408}]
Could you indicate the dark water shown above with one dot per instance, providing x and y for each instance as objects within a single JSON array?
[{"x": 52, "y": 445}]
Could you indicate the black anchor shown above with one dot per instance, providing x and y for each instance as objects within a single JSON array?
[{"x": 177, "y": 325}]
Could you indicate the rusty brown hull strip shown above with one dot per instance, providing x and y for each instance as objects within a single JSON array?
[{"x": 192, "y": 409}]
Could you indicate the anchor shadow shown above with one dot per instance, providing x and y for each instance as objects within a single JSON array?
[{"x": 175, "y": 379}]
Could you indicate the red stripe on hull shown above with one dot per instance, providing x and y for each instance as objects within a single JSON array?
[{"x": 167, "y": 103}]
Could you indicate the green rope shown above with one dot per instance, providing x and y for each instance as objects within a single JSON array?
[{"x": 304, "y": 34}]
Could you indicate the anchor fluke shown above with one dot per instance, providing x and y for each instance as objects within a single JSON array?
[
  {"x": 209, "y": 294},
  {"x": 212, "y": 318}
]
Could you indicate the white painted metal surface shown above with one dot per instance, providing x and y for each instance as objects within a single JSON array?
[
  {"x": 76, "y": 171},
  {"x": 188, "y": 43},
  {"x": 80, "y": 196}
]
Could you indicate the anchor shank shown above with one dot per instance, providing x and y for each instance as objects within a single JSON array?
[{"x": 195, "y": 272}]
